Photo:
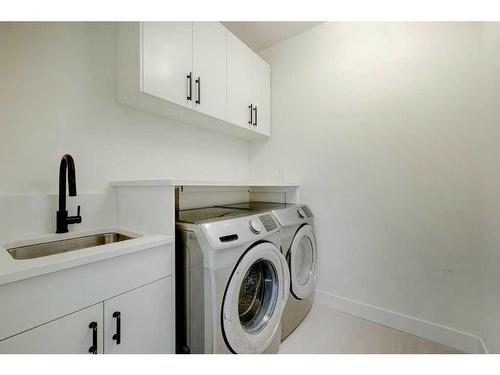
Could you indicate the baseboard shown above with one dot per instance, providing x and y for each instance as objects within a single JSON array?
[
  {"x": 485, "y": 349},
  {"x": 463, "y": 341}
]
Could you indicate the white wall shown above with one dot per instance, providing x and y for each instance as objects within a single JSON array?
[
  {"x": 382, "y": 125},
  {"x": 391, "y": 128},
  {"x": 490, "y": 187},
  {"x": 57, "y": 96}
]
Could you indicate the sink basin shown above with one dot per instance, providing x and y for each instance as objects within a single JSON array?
[{"x": 63, "y": 246}]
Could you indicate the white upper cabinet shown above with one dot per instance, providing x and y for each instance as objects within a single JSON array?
[
  {"x": 239, "y": 83},
  {"x": 209, "y": 67},
  {"x": 194, "y": 72},
  {"x": 167, "y": 60},
  {"x": 261, "y": 100},
  {"x": 248, "y": 88}
]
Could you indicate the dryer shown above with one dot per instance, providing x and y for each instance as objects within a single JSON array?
[
  {"x": 298, "y": 244},
  {"x": 232, "y": 281}
]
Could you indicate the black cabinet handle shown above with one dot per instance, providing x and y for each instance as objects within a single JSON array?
[
  {"x": 190, "y": 86},
  {"x": 93, "y": 348},
  {"x": 118, "y": 334},
  {"x": 251, "y": 114},
  {"x": 198, "y": 82},
  {"x": 255, "y": 117}
]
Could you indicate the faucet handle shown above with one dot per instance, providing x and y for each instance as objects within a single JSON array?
[
  {"x": 74, "y": 219},
  {"x": 78, "y": 218}
]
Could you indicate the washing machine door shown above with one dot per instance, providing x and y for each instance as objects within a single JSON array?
[
  {"x": 303, "y": 259},
  {"x": 254, "y": 299}
]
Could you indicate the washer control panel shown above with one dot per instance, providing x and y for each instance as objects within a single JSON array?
[
  {"x": 268, "y": 222},
  {"x": 224, "y": 234},
  {"x": 307, "y": 211}
]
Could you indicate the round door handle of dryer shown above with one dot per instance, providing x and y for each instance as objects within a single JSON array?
[{"x": 255, "y": 226}]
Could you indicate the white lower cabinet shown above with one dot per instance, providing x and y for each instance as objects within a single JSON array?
[
  {"x": 76, "y": 333},
  {"x": 138, "y": 321}
]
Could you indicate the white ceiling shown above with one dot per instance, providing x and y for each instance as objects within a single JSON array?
[{"x": 260, "y": 35}]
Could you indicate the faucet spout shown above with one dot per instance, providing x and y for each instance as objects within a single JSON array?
[
  {"x": 66, "y": 169},
  {"x": 71, "y": 174}
]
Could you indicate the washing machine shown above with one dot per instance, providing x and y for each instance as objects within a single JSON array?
[
  {"x": 298, "y": 242},
  {"x": 232, "y": 281}
]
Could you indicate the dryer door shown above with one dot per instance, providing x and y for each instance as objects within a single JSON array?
[
  {"x": 254, "y": 299},
  {"x": 303, "y": 259}
]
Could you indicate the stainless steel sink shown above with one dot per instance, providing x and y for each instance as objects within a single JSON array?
[{"x": 64, "y": 246}]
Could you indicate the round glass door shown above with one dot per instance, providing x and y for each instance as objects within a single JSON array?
[
  {"x": 258, "y": 295},
  {"x": 305, "y": 257},
  {"x": 303, "y": 262},
  {"x": 255, "y": 298}
]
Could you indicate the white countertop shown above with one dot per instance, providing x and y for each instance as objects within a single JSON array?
[
  {"x": 181, "y": 182},
  {"x": 14, "y": 269}
]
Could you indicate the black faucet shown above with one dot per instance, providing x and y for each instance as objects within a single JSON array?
[{"x": 67, "y": 165}]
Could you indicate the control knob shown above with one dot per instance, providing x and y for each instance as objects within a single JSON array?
[
  {"x": 255, "y": 226},
  {"x": 301, "y": 212}
]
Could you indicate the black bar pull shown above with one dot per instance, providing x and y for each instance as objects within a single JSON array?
[
  {"x": 117, "y": 336},
  {"x": 190, "y": 86},
  {"x": 255, "y": 119},
  {"x": 198, "y": 82},
  {"x": 251, "y": 114},
  {"x": 93, "y": 348}
]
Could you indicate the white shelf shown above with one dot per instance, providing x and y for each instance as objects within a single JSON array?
[{"x": 201, "y": 183}]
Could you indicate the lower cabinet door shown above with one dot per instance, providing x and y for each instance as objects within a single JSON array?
[
  {"x": 76, "y": 333},
  {"x": 140, "y": 321}
]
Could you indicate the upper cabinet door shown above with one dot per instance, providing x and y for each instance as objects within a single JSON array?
[
  {"x": 261, "y": 95},
  {"x": 140, "y": 321},
  {"x": 239, "y": 82},
  {"x": 209, "y": 67},
  {"x": 167, "y": 60}
]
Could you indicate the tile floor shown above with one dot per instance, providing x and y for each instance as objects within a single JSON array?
[{"x": 325, "y": 330}]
